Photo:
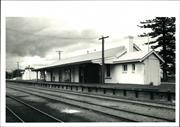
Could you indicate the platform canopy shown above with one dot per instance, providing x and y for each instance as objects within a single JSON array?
[{"x": 94, "y": 57}]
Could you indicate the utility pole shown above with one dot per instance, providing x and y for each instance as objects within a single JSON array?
[
  {"x": 59, "y": 52},
  {"x": 18, "y": 65},
  {"x": 102, "y": 66},
  {"x": 17, "y": 69},
  {"x": 148, "y": 43}
]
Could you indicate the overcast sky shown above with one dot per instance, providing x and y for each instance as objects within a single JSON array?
[{"x": 36, "y": 30}]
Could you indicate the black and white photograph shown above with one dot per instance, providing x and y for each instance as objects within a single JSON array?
[{"x": 90, "y": 63}]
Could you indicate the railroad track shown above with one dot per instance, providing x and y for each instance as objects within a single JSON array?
[
  {"x": 155, "y": 105},
  {"x": 125, "y": 114},
  {"x": 24, "y": 112},
  {"x": 13, "y": 115}
]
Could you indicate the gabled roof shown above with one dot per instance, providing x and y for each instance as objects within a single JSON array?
[
  {"x": 86, "y": 57},
  {"x": 138, "y": 56},
  {"x": 112, "y": 56},
  {"x": 136, "y": 47}
]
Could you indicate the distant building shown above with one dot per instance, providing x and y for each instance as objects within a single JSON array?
[
  {"x": 122, "y": 65},
  {"x": 29, "y": 74}
]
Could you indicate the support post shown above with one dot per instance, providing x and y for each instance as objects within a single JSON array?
[
  {"x": 44, "y": 75},
  {"x": 51, "y": 76},
  {"x": 37, "y": 76},
  {"x": 59, "y": 75}
]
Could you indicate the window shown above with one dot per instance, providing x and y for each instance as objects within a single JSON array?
[
  {"x": 125, "y": 67},
  {"x": 108, "y": 73},
  {"x": 133, "y": 67}
]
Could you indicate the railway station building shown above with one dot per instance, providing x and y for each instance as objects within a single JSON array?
[
  {"x": 28, "y": 74},
  {"x": 129, "y": 65}
]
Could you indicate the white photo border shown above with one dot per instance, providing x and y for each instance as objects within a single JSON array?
[{"x": 6, "y": 5}]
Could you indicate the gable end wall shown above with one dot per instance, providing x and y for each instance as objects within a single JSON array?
[{"x": 152, "y": 70}]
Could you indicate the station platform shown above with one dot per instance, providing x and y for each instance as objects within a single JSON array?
[{"x": 164, "y": 93}]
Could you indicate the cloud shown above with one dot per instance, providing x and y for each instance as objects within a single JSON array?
[{"x": 34, "y": 36}]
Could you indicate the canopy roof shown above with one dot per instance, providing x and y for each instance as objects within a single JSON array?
[{"x": 86, "y": 58}]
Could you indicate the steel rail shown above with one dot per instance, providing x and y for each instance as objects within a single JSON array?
[
  {"x": 108, "y": 98},
  {"x": 46, "y": 94},
  {"x": 53, "y": 90},
  {"x": 14, "y": 114},
  {"x": 38, "y": 110}
]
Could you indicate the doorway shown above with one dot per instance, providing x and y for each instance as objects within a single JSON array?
[{"x": 89, "y": 73}]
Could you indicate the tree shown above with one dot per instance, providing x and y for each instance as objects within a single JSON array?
[
  {"x": 17, "y": 73},
  {"x": 8, "y": 75},
  {"x": 163, "y": 34}
]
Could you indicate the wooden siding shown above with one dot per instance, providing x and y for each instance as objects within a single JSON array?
[{"x": 152, "y": 70}]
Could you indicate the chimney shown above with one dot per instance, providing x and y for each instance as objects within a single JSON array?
[{"x": 130, "y": 44}]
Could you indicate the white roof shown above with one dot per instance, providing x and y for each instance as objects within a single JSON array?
[
  {"x": 112, "y": 56},
  {"x": 87, "y": 57},
  {"x": 136, "y": 56}
]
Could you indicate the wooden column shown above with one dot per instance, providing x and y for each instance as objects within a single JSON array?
[
  {"x": 44, "y": 75},
  {"x": 59, "y": 75},
  {"x": 51, "y": 75},
  {"x": 70, "y": 73},
  {"x": 37, "y": 75}
]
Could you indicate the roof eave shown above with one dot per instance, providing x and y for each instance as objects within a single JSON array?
[
  {"x": 137, "y": 47},
  {"x": 62, "y": 65},
  {"x": 143, "y": 58},
  {"x": 127, "y": 61}
]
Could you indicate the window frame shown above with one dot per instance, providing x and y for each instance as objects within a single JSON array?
[
  {"x": 125, "y": 67},
  {"x": 133, "y": 67},
  {"x": 108, "y": 70}
]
